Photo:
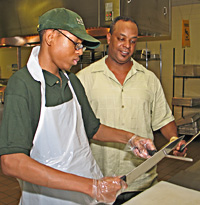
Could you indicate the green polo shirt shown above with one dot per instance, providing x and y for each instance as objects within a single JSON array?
[{"x": 22, "y": 108}]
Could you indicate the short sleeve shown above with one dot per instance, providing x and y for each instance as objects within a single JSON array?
[
  {"x": 161, "y": 113},
  {"x": 20, "y": 114}
]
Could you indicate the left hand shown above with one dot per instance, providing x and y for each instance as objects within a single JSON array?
[
  {"x": 140, "y": 145},
  {"x": 106, "y": 189},
  {"x": 176, "y": 151}
]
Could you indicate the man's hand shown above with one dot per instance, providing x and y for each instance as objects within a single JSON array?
[
  {"x": 177, "y": 151},
  {"x": 140, "y": 146},
  {"x": 105, "y": 190}
]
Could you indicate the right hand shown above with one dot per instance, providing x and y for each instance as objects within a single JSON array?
[
  {"x": 140, "y": 146},
  {"x": 106, "y": 189}
]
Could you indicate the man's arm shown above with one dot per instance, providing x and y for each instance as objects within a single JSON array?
[
  {"x": 23, "y": 167},
  {"x": 169, "y": 131},
  {"x": 139, "y": 144}
]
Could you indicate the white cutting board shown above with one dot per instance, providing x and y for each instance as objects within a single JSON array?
[{"x": 165, "y": 193}]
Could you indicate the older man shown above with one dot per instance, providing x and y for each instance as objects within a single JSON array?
[{"x": 125, "y": 95}]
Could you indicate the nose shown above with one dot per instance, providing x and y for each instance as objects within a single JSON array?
[
  {"x": 127, "y": 44},
  {"x": 80, "y": 52}
]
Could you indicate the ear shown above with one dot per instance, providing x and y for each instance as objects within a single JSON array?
[
  {"x": 108, "y": 38},
  {"x": 49, "y": 36}
]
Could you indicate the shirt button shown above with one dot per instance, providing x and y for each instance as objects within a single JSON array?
[
  {"x": 122, "y": 106},
  {"x": 57, "y": 81}
]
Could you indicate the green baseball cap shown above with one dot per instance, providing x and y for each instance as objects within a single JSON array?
[{"x": 64, "y": 19}]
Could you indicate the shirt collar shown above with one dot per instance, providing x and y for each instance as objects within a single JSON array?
[
  {"x": 51, "y": 79},
  {"x": 103, "y": 67}
]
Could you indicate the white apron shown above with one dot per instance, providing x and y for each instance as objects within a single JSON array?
[{"x": 60, "y": 142}]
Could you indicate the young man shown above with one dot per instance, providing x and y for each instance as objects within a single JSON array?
[
  {"x": 47, "y": 122},
  {"x": 125, "y": 95}
]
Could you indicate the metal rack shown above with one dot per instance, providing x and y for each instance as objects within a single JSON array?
[
  {"x": 151, "y": 57},
  {"x": 188, "y": 124}
]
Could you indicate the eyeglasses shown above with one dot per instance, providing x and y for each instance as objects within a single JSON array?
[{"x": 78, "y": 46}]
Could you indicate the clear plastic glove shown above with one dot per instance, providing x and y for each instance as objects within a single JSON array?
[
  {"x": 140, "y": 146},
  {"x": 105, "y": 190}
]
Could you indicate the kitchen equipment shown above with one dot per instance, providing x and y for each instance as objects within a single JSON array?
[
  {"x": 192, "y": 138},
  {"x": 179, "y": 158},
  {"x": 149, "y": 163},
  {"x": 146, "y": 53},
  {"x": 186, "y": 101},
  {"x": 189, "y": 129},
  {"x": 187, "y": 70},
  {"x": 187, "y": 119}
]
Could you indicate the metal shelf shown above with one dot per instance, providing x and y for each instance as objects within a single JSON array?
[
  {"x": 147, "y": 59},
  {"x": 190, "y": 124}
]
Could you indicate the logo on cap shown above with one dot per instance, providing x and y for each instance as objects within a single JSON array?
[{"x": 80, "y": 21}]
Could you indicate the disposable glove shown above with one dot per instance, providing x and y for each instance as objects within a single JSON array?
[
  {"x": 106, "y": 189},
  {"x": 140, "y": 146}
]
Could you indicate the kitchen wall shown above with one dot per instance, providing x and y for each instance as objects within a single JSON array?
[
  {"x": 8, "y": 56},
  {"x": 8, "y": 60},
  {"x": 192, "y": 55}
]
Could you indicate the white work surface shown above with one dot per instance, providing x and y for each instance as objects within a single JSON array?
[{"x": 165, "y": 193}]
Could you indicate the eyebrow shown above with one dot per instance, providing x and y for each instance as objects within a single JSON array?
[{"x": 134, "y": 37}]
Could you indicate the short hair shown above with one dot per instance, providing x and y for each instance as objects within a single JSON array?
[
  {"x": 123, "y": 18},
  {"x": 41, "y": 33}
]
